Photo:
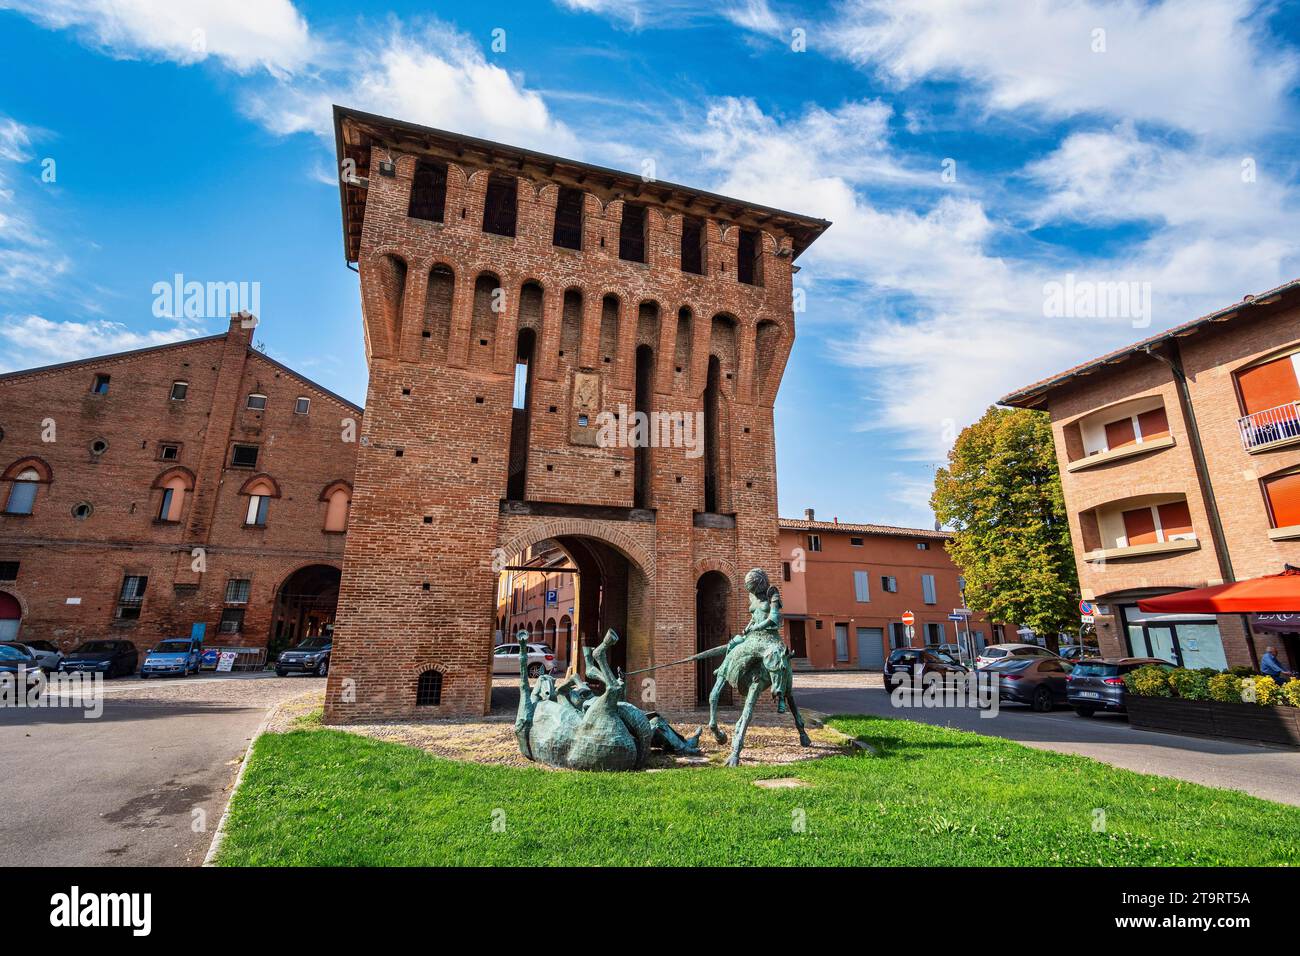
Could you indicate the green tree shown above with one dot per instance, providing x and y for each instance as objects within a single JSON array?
[{"x": 1001, "y": 495}]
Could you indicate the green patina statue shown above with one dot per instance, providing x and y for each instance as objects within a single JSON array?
[
  {"x": 755, "y": 659},
  {"x": 568, "y": 725}
]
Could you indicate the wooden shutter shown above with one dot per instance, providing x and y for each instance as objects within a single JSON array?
[
  {"x": 1140, "y": 526},
  {"x": 1269, "y": 385},
  {"x": 1120, "y": 433},
  {"x": 1284, "y": 499},
  {"x": 1175, "y": 518},
  {"x": 1153, "y": 424}
]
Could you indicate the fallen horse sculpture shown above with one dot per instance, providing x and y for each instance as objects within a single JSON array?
[{"x": 570, "y": 726}]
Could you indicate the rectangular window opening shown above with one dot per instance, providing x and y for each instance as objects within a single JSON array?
[
  {"x": 631, "y": 233},
  {"x": 693, "y": 246},
  {"x": 749, "y": 263},
  {"x": 568, "y": 218},
  {"x": 428, "y": 191},
  {"x": 499, "y": 205},
  {"x": 243, "y": 456}
]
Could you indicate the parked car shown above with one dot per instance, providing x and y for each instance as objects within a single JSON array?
[
  {"x": 905, "y": 660},
  {"x": 1077, "y": 652},
  {"x": 312, "y": 656},
  {"x": 1040, "y": 682},
  {"x": 178, "y": 656},
  {"x": 1098, "y": 683},
  {"x": 16, "y": 659},
  {"x": 505, "y": 659},
  {"x": 46, "y": 654},
  {"x": 996, "y": 652},
  {"x": 110, "y": 658}
]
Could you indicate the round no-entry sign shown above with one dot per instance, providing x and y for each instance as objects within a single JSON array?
[{"x": 909, "y": 618}]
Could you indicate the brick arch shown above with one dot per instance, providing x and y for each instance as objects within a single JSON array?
[
  {"x": 179, "y": 471},
  {"x": 616, "y": 538},
  {"x": 39, "y": 465},
  {"x": 416, "y": 668},
  {"x": 257, "y": 479},
  {"x": 724, "y": 567},
  {"x": 24, "y": 610}
]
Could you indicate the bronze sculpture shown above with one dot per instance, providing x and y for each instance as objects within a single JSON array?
[{"x": 568, "y": 725}]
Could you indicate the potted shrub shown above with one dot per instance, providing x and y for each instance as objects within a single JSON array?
[{"x": 1231, "y": 704}]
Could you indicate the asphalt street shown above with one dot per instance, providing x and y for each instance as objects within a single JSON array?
[{"x": 1269, "y": 772}]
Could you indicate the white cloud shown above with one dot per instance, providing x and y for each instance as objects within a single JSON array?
[
  {"x": 1198, "y": 65},
  {"x": 35, "y": 340},
  {"x": 245, "y": 35},
  {"x": 430, "y": 75}
]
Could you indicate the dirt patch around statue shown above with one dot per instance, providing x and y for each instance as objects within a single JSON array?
[{"x": 771, "y": 740}]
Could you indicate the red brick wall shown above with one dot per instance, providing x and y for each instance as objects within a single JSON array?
[
  {"x": 64, "y": 558},
  {"x": 454, "y": 462}
]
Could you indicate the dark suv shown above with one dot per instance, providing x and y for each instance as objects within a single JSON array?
[
  {"x": 312, "y": 656},
  {"x": 110, "y": 658},
  {"x": 904, "y": 660},
  {"x": 1098, "y": 683}
]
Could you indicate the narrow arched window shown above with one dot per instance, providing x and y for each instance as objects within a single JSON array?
[
  {"x": 22, "y": 492},
  {"x": 259, "y": 493},
  {"x": 336, "y": 510},
  {"x": 173, "y": 500}
]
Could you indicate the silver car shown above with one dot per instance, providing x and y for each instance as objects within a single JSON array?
[
  {"x": 505, "y": 659},
  {"x": 48, "y": 657},
  {"x": 998, "y": 652}
]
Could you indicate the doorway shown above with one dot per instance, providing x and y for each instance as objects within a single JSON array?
[{"x": 711, "y": 592}]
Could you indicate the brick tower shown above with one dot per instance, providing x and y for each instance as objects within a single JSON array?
[{"x": 520, "y": 310}]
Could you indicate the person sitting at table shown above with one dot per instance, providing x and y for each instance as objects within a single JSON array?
[{"x": 1270, "y": 666}]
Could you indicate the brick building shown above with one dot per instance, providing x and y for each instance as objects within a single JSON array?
[
  {"x": 845, "y": 587},
  {"x": 538, "y": 596},
  {"x": 510, "y": 298},
  {"x": 1180, "y": 461},
  {"x": 144, "y": 492}
]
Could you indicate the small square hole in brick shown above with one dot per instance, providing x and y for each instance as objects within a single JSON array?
[
  {"x": 425, "y": 586},
  {"x": 406, "y": 391},
  {"x": 473, "y": 460},
  {"x": 606, "y": 359},
  {"x": 561, "y": 353},
  {"x": 746, "y": 430},
  {"x": 617, "y": 473},
  {"x": 728, "y": 375},
  {"x": 426, "y": 334},
  {"x": 484, "y": 342},
  {"x": 550, "y": 467},
  {"x": 679, "y": 479},
  {"x": 749, "y": 484},
  {"x": 428, "y": 519},
  {"x": 478, "y": 399},
  {"x": 679, "y": 368},
  {"x": 399, "y": 452},
  {"x": 552, "y": 409}
]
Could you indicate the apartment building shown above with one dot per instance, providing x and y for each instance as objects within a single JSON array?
[
  {"x": 845, "y": 587},
  {"x": 1180, "y": 462}
]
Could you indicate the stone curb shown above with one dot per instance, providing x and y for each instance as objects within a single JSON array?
[{"x": 210, "y": 857}]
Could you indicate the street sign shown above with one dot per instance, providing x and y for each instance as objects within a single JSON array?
[
  {"x": 552, "y": 598},
  {"x": 1086, "y": 618},
  {"x": 909, "y": 618},
  {"x": 957, "y": 617},
  {"x": 1086, "y": 608},
  {"x": 960, "y": 612}
]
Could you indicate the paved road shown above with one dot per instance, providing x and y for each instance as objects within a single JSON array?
[
  {"x": 122, "y": 789},
  {"x": 1272, "y": 773}
]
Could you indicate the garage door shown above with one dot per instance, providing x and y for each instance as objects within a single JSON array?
[{"x": 871, "y": 647}]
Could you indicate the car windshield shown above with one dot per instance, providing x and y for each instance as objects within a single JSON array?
[
  {"x": 8, "y": 653},
  {"x": 1095, "y": 669},
  {"x": 95, "y": 647},
  {"x": 313, "y": 644},
  {"x": 172, "y": 647},
  {"x": 995, "y": 652},
  {"x": 1010, "y": 664}
]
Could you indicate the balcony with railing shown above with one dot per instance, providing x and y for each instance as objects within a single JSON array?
[{"x": 1270, "y": 427}]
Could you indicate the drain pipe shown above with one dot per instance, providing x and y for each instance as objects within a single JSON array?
[{"x": 1175, "y": 365}]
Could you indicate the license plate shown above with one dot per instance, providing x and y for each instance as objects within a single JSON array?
[{"x": 1089, "y": 693}]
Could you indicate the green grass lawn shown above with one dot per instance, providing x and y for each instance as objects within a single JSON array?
[{"x": 932, "y": 796}]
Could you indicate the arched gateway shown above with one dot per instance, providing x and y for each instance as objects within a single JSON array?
[{"x": 597, "y": 386}]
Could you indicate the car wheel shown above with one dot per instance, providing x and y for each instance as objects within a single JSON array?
[
  {"x": 1042, "y": 700},
  {"x": 280, "y": 673},
  {"x": 144, "y": 676},
  {"x": 1085, "y": 711},
  {"x": 323, "y": 668},
  {"x": 534, "y": 670}
]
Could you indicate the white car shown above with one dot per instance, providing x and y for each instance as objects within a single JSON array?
[
  {"x": 505, "y": 660},
  {"x": 997, "y": 652}
]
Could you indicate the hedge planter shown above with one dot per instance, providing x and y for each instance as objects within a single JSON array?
[{"x": 1211, "y": 718}]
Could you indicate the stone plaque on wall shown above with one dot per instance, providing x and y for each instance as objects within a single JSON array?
[{"x": 584, "y": 405}]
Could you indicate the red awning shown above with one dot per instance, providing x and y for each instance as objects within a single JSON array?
[{"x": 1273, "y": 592}]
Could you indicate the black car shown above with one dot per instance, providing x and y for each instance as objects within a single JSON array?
[
  {"x": 312, "y": 656},
  {"x": 1098, "y": 682},
  {"x": 1037, "y": 681},
  {"x": 905, "y": 660},
  {"x": 16, "y": 660},
  {"x": 110, "y": 658}
]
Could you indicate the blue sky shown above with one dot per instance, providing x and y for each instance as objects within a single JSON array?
[{"x": 973, "y": 155}]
